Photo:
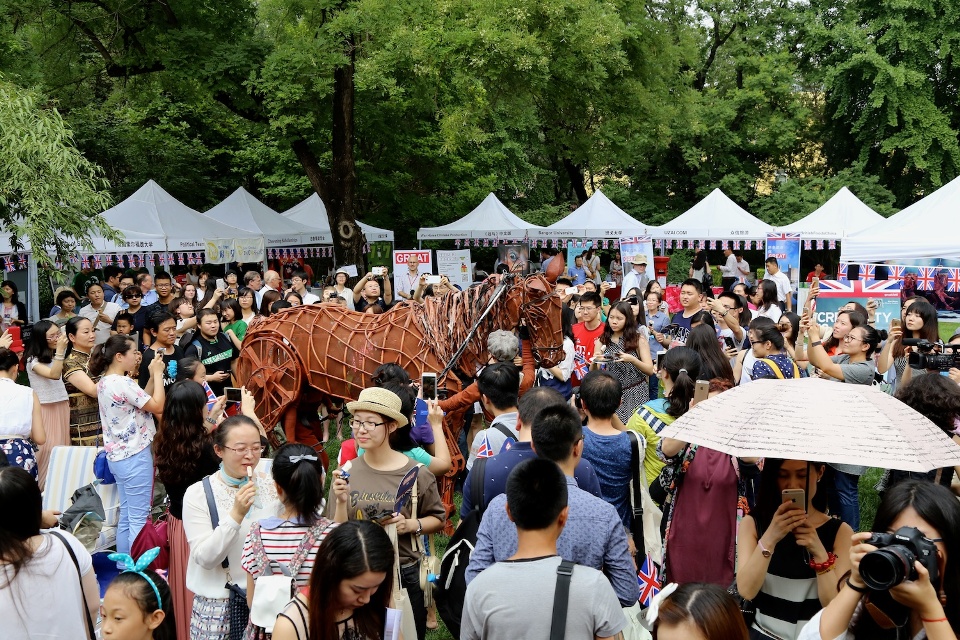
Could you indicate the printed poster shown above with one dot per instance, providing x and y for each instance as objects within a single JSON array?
[
  {"x": 634, "y": 246},
  {"x": 836, "y": 293},
  {"x": 936, "y": 279},
  {"x": 402, "y": 279},
  {"x": 785, "y": 247},
  {"x": 456, "y": 266},
  {"x": 512, "y": 255}
]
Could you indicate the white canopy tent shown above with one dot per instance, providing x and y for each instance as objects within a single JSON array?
[
  {"x": 838, "y": 217},
  {"x": 716, "y": 217},
  {"x": 598, "y": 217},
  {"x": 313, "y": 214},
  {"x": 491, "y": 219},
  {"x": 240, "y": 209},
  {"x": 925, "y": 229},
  {"x": 153, "y": 212}
]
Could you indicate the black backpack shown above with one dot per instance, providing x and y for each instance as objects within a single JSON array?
[{"x": 451, "y": 585}]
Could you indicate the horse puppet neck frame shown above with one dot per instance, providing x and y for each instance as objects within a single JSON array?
[{"x": 501, "y": 287}]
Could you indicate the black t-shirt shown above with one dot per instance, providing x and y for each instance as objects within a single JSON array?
[
  {"x": 216, "y": 355},
  {"x": 139, "y": 323},
  {"x": 363, "y": 304},
  {"x": 148, "y": 356}
]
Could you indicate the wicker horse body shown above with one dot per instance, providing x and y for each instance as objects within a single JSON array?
[{"x": 334, "y": 352}]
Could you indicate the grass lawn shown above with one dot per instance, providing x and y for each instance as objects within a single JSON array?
[{"x": 947, "y": 329}]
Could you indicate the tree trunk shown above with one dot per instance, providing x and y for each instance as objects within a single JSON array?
[
  {"x": 341, "y": 210},
  {"x": 575, "y": 174}
]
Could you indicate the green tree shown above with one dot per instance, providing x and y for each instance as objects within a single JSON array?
[{"x": 50, "y": 195}]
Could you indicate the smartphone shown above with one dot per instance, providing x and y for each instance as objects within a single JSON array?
[
  {"x": 731, "y": 344},
  {"x": 701, "y": 391},
  {"x": 569, "y": 291},
  {"x": 379, "y": 271},
  {"x": 233, "y": 401},
  {"x": 796, "y": 496},
  {"x": 815, "y": 281},
  {"x": 660, "y": 359},
  {"x": 428, "y": 386},
  {"x": 434, "y": 279},
  {"x": 895, "y": 323}
]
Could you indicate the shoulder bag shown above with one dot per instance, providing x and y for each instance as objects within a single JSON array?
[
  {"x": 237, "y": 610},
  {"x": 92, "y": 634}
]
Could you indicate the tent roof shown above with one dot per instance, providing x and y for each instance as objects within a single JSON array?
[
  {"x": 313, "y": 214},
  {"x": 922, "y": 230},
  {"x": 491, "y": 219},
  {"x": 838, "y": 217},
  {"x": 241, "y": 209},
  {"x": 152, "y": 211},
  {"x": 598, "y": 217},
  {"x": 716, "y": 217}
]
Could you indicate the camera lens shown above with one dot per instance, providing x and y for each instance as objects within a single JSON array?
[{"x": 887, "y": 567}]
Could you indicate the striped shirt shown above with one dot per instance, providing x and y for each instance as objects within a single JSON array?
[
  {"x": 788, "y": 597},
  {"x": 280, "y": 540}
]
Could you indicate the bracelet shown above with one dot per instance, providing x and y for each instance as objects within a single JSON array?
[
  {"x": 933, "y": 620},
  {"x": 856, "y": 588},
  {"x": 210, "y": 420},
  {"x": 419, "y": 526},
  {"x": 826, "y": 565},
  {"x": 815, "y": 344},
  {"x": 59, "y": 358},
  {"x": 725, "y": 312}
]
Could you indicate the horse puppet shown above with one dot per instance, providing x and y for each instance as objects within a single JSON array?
[{"x": 327, "y": 351}]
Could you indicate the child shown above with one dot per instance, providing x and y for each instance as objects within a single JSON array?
[
  {"x": 123, "y": 324},
  {"x": 137, "y": 605}
]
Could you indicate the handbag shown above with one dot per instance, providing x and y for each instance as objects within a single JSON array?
[
  {"x": 401, "y": 599},
  {"x": 101, "y": 470},
  {"x": 238, "y": 613},
  {"x": 647, "y": 516},
  {"x": 747, "y": 609},
  {"x": 153, "y": 534},
  {"x": 91, "y": 632},
  {"x": 429, "y": 569}
]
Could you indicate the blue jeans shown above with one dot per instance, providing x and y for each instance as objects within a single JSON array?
[
  {"x": 135, "y": 484},
  {"x": 844, "y": 498},
  {"x": 654, "y": 387}
]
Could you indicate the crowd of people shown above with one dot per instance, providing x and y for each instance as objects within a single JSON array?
[{"x": 140, "y": 364}]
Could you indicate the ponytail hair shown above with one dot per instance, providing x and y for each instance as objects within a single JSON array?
[
  {"x": 682, "y": 364},
  {"x": 103, "y": 354},
  {"x": 872, "y": 338},
  {"x": 298, "y": 471},
  {"x": 769, "y": 333},
  {"x": 856, "y": 319}
]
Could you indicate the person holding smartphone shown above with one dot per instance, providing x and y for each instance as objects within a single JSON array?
[
  {"x": 792, "y": 555},
  {"x": 367, "y": 292}
]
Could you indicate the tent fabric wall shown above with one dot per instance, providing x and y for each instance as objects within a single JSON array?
[
  {"x": 716, "y": 217},
  {"x": 490, "y": 219},
  {"x": 840, "y": 216},
  {"x": 598, "y": 217},
  {"x": 925, "y": 229},
  {"x": 312, "y": 213},
  {"x": 240, "y": 209}
]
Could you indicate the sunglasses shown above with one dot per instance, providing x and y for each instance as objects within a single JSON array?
[{"x": 136, "y": 295}]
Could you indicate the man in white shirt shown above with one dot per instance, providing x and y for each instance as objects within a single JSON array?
[
  {"x": 728, "y": 269},
  {"x": 271, "y": 282},
  {"x": 407, "y": 282},
  {"x": 784, "y": 290},
  {"x": 744, "y": 274},
  {"x": 298, "y": 284},
  {"x": 637, "y": 276}
]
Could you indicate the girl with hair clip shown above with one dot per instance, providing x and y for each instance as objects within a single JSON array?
[
  {"x": 714, "y": 362},
  {"x": 925, "y": 607},
  {"x": 650, "y": 419},
  {"x": 743, "y": 363},
  {"x": 919, "y": 321},
  {"x": 351, "y": 587},
  {"x": 766, "y": 300},
  {"x": 41, "y": 593},
  {"x": 791, "y": 555},
  {"x": 218, "y": 513},
  {"x": 81, "y": 386},
  {"x": 128, "y": 429},
  {"x": 846, "y": 321},
  {"x": 627, "y": 351},
  {"x": 45, "y": 356},
  {"x": 138, "y": 604},
  {"x": 706, "y": 491},
  {"x": 183, "y": 454},
  {"x": 773, "y": 362},
  {"x": 696, "y": 611},
  {"x": 291, "y": 538}
]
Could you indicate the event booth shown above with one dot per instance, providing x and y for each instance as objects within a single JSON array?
[
  {"x": 840, "y": 216},
  {"x": 241, "y": 209},
  {"x": 490, "y": 220},
  {"x": 312, "y": 213},
  {"x": 597, "y": 218},
  {"x": 715, "y": 218}
]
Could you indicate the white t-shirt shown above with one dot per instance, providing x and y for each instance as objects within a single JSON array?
[
  {"x": 45, "y": 601},
  {"x": 47, "y": 390},
  {"x": 309, "y": 298},
  {"x": 127, "y": 428},
  {"x": 16, "y": 409},
  {"x": 773, "y": 312},
  {"x": 100, "y": 329},
  {"x": 783, "y": 284}
]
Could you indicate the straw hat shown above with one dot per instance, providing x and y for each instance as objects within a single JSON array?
[{"x": 386, "y": 403}]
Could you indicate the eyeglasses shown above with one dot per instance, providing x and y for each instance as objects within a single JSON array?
[
  {"x": 588, "y": 308},
  {"x": 242, "y": 451},
  {"x": 850, "y": 338},
  {"x": 757, "y": 341},
  {"x": 362, "y": 425}
]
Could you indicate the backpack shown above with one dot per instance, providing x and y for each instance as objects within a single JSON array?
[
  {"x": 777, "y": 371},
  {"x": 451, "y": 585}
]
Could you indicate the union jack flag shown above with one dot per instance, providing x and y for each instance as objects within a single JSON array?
[
  {"x": 194, "y": 259},
  {"x": 580, "y": 366},
  {"x": 184, "y": 259},
  {"x": 152, "y": 260},
  {"x": 868, "y": 272},
  {"x": 649, "y": 580},
  {"x": 953, "y": 284},
  {"x": 485, "y": 450},
  {"x": 842, "y": 271},
  {"x": 897, "y": 273},
  {"x": 833, "y": 244},
  {"x": 8, "y": 264},
  {"x": 926, "y": 277},
  {"x": 97, "y": 262},
  {"x": 863, "y": 288},
  {"x": 22, "y": 260}
]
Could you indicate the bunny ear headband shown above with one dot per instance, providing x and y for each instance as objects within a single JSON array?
[
  {"x": 129, "y": 566},
  {"x": 654, "y": 610}
]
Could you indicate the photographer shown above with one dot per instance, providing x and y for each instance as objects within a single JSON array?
[
  {"x": 919, "y": 603},
  {"x": 919, "y": 321},
  {"x": 367, "y": 292}
]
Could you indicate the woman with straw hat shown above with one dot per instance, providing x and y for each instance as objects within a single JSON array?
[{"x": 369, "y": 490}]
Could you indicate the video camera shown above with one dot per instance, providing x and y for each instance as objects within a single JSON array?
[
  {"x": 892, "y": 562},
  {"x": 924, "y": 358}
]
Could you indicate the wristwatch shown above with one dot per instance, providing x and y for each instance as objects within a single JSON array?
[
  {"x": 763, "y": 550},
  {"x": 419, "y": 527}
]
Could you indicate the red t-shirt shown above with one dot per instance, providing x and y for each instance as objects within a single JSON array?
[{"x": 584, "y": 340}]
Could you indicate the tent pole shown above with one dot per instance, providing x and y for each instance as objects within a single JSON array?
[{"x": 33, "y": 280}]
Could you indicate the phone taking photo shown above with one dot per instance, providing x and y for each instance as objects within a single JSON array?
[
  {"x": 660, "y": 355},
  {"x": 234, "y": 398},
  {"x": 428, "y": 386},
  {"x": 701, "y": 391},
  {"x": 796, "y": 496}
]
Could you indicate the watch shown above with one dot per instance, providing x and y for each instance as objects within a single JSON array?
[
  {"x": 763, "y": 550},
  {"x": 419, "y": 527}
]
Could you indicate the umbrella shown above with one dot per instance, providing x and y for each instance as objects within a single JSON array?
[{"x": 817, "y": 420}]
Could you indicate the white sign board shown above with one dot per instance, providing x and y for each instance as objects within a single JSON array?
[
  {"x": 456, "y": 266},
  {"x": 403, "y": 280}
]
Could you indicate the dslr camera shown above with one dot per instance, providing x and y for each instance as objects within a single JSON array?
[
  {"x": 892, "y": 562},
  {"x": 925, "y": 358}
]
